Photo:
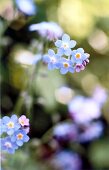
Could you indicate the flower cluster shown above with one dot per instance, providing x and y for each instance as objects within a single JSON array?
[
  {"x": 66, "y": 59},
  {"x": 15, "y": 130}
]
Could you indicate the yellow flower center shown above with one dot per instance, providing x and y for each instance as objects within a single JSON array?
[
  {"x": 22, "y": 122},
  {"x": 19, "y": 136},
  {"x": 66, "y": 65},
  {"x": 10, "y": 125},
  {"x": 78, "y": 55}
]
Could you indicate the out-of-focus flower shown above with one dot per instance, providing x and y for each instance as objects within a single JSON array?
[
  {"x": 27, "y": 6},
  {"x": 20, "y": 137},
  {"x": 52, "y": 59},
  {"x": 65, "y": 45},
  {"x": 66, "y": 160},
  {"x": 23, "y": 121},
  {"x": 48, "y": 30},
  {"x": 65, "y": 132},
  {"x": 64, "y": 94},
  {"x": 83, "y": 110},
  {"x": 11, "y": 124},
  {"x": 100, "y": 95},
  {"x": 8, "y": 145},
  {"x": 91, "y": 131}
]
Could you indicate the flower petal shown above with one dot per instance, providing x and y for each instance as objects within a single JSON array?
[{"x": 65, "y": 38}]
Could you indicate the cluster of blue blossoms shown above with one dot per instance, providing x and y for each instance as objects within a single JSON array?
[
  {"x": 66, "y": 59},
  {"x": 14, "y": 132}
]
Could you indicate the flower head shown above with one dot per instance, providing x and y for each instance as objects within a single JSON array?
[
  {"x": 48, "y": 30},
  {"x": 8, "y": 145},
  {"x": 52, "y": 59},
  {"x": 78, "y": 56},
  {"x": 66, "y": 66},
  {"x": 20, "y": 137},
  {"x": 23, "y": 121},
  {"x": 10, "y": 124},
  {"x": 65, "y": 45}
]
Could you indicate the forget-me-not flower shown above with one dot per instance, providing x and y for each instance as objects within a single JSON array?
[
  {"x": 8, "y": 145},
  {"x": 65, "y": 45},
  {"x": 11, "y": 124},
  {"x": 78, "y": 56},
  {"x": 20, "y": 137},
  {"x": 52, "y": 59},
  {"x": 66, "y": 65}
]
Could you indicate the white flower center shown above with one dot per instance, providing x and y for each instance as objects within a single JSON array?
[
  {"x": 8, "y": 144},
  {"x": 10, "y": 125}
]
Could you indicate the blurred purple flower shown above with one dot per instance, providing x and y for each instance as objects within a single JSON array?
[
  {"x": 65, "y": 132},
  {"x": 49, "y": 30},
  {"x": 66, "y": 160},
  {"x": 26, "y": 6},
  {"x": 91, "y": 131},
  {"x": 100, "y": 95},
  {"x": 83, "y": 109}
]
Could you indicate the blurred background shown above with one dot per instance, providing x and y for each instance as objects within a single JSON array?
[{"x": 69, "y": 114}]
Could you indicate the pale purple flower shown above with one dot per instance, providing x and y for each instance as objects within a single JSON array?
[
  {"x": 66, "y": 160},
  {"x": 23, "y": 121},
  {"x": 100, "y": 95},
  {"x": 83, "y": 109},
  {"x": 91, "y": 131},
  {"x": 48, "y": 30}
]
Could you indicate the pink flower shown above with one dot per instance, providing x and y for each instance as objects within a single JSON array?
[{"x": 24, "y": 121}]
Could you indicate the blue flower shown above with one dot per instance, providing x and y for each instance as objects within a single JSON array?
[
  {"x": 52, "y": 59},
  {"x": 66, "y": 66},
  {"x": 48, "y": 30},
  {"x": 10, "y": 124},
  {"x": 26, "y": 6},
  {"x": 78, "y": 56},
  {"x": 2, "y": 127},
  {"x": 65, "y": 45},
  {"x": 8, "y": 145},
  {"x": 20, "y": 137}
]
